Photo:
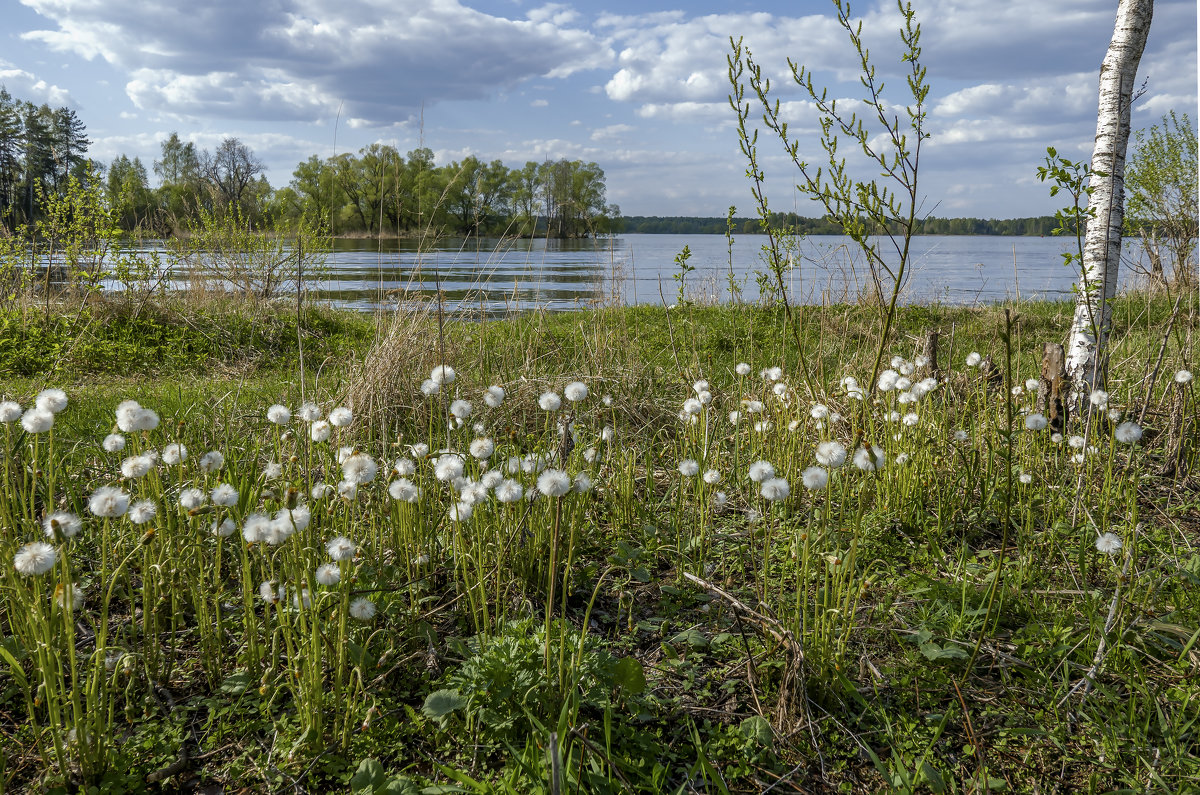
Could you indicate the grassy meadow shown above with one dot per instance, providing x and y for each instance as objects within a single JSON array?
[{"x": 632, "y": 549}]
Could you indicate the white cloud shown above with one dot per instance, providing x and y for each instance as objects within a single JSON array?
[
  {"x": 538, "y": 103},
  {"x": 28, "y": 86},
  {"x": 612, "y": 132},
  {"x": 301, "y": 59}
]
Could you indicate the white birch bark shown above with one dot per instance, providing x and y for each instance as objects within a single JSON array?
[{"x": 1102, "y": 246}]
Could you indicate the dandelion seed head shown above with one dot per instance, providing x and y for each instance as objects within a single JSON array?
[
  {"x": 575, "y": 391},
  {"x": 1076, "y": 442},
  {"x": 1018, "y": 390},
  {"x": 720, "y": 498},
  {"x": 347, "y": 490},
  {"x": 819, "y": 412},
  {"x": 742, "y": 369},
  {"x": 69, "y": 596},
  {"x": 301, "y": 598},
  {"x": 309, "y": 412},
  {"x": 460, "y": 409},
  {"x": 831, "y": 454},
  {"x": 256, "y": 527},
  {"x": 1036, "y": 421},
  {"x": 1128, "y": 432},
  {"x": 142, "y": 511},
  {"x": 1109, "y": 543},
  {"x": 493, "y": 396},
  {"x": 136, "y": 466},
  {"x": 869, "y": 460},
  {"x": 362, "y": 609},
  {"x": 509, "y": 491},
  {"x": 37, "y": 420},
  {"x": 174, "y": 454},
  {"x": 328, "y": 574},
  {"x": 814, "y": 478},
  {"x": 51, "y": 400},
  {"x": 973, "y": 359},
  {"x": 734, "y": 416},
  {"x": 9, "y": 411},
  {"x": 1056, "y": 437},
  {"x": 753, "y": 406},
  {"x": 192, "y": 498},
  {"x": 1183, "y": 377},
  {"x": 910, "y": 419},
  {"x": 404, "y": 490},
  {"x": 341, "y": 417},
  {"x": 108, "y": 502},
  {"x": 1098, "y": 398},
  {"x": 760, "y": 471},
  {"x": 582, "y": 483},
  {"x": 1025, "y": 478},
  {"x": 902, "y": 458},
  {"x": 62, "y": 523},
  {"x": 961, "y": 436},
  {"x": 705, "y": 397},
  {"x": 448, "y": 467},
  {"x": 279, "y": 414},
  {"x": 321, "y": 490},
  {"x": 607, "y": 400},
  {"x": 688, "y": 468},
  {"x": 712, "y": 477},
  {"x": 419, "y": 450},
  {"x": 272, "y": 470},
  {"x": 211, "y": 461},
  {"x": 35, "y": 559},
  {"x": 443, "y": 374},
  {"x": 360, "y": 468},
  {"x": 460, "y": 511},
  {"x": 550, "y": 401},
  {"x": 404, "y": 467},
  {"x": 1032, "y": 384},
  {"x": 780, "y": 390},
  {"x": 692, "y": 406},
  {"x": 775, "y": 489},
  {"x": 554, "y": 483},
  {"x": 224, "y": 495},
  {"x": 223, "y": 529},
  {"x": 341, "y": 548}
]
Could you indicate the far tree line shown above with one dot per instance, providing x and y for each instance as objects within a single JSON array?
[{"x": 380, "y": 192}]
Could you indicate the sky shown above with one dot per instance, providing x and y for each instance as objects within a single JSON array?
[{"x": 638, "y": 87}]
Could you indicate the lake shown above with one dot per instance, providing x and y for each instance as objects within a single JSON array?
[{"x": 495, "y": 276}]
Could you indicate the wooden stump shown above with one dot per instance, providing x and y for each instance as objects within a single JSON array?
[
  {"x": 1053, "y": 386},
  {"x": 930, "y": 351},
  {"x": 1175, "y": 459}
]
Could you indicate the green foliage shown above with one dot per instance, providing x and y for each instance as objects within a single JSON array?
[{"x": 1161, "y": 202}]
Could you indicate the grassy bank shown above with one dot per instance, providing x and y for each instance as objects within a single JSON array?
[{"x": 611, "y": 593}]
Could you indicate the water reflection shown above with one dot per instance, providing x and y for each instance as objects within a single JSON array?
[{"x": 496, "y": 276}]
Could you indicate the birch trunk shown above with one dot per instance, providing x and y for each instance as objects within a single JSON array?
[{"x": 1086, "y": 353}]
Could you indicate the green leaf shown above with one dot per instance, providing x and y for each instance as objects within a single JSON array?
[
  {"x": 629, "y": 675},
  {"x": 237, "y": 683},
  {"x": 368, "y": 776},
  {"x": 758, "y": 729},
  {"x": 440, "y": 703}
]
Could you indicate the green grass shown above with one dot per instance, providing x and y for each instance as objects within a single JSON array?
[{"x": 926, "y": 627}]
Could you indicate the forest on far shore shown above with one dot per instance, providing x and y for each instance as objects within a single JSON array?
[{"x": 697, "y": 225}]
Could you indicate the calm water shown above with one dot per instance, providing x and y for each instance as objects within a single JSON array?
[
  {"x": 496, "y": 276},
  {"x": 493, "y": 276}
]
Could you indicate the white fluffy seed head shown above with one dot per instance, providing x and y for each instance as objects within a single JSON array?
[
  {"x": 493, "y": 396},
  {"x": 712, "y": 477},
  {"x": 62, "y": 523},
  {"x": 108, "y": 502},
  {"x": 550, "y": 401},
  {"x": 1035, "y": 421},
  {"x": 761, "y": 470},
  {"x": 341, "y": 417},
  {"x": 51, "y": 400},
  {"x": 35, "y": 559},
  {"x": 688, "y": 468},
  {"x": 554, "y": 483},
  {"x": 362, "y": 609},
  {"x": 192, "y": 498},
  {"x": 1128, "y": 432},
  {"x": 37, "y": 420},
  {"x": 224, "y": 495},
  {"x": 443, "y": 374},
  {"x": 742, "y": 369},
  {"x": 815, "y": 478},
  {"x": 575, "y": 391},
  {"x": 870, "y": 460},
  {"x": 212, "y": 461},
  {"x": 142, "y": 511},
  {"x": 1183, "y": 377},
  {"x": 9, "y": 411},
  {"x": 309, "y": 412},
  {"x": 482, "y": 449},
  {"x": 1109, "y": 543},
  {"x": 328, "y": 574},
  {"x": 973, "y": 359},
  {"x": 775, "y": 489},
  {"x": 341, "y": 548}
]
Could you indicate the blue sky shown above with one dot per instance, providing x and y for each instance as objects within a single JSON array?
[{"x": 638, "y": 87}]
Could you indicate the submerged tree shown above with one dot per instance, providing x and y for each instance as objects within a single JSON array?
[{"x": 1102, "y": 245}]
